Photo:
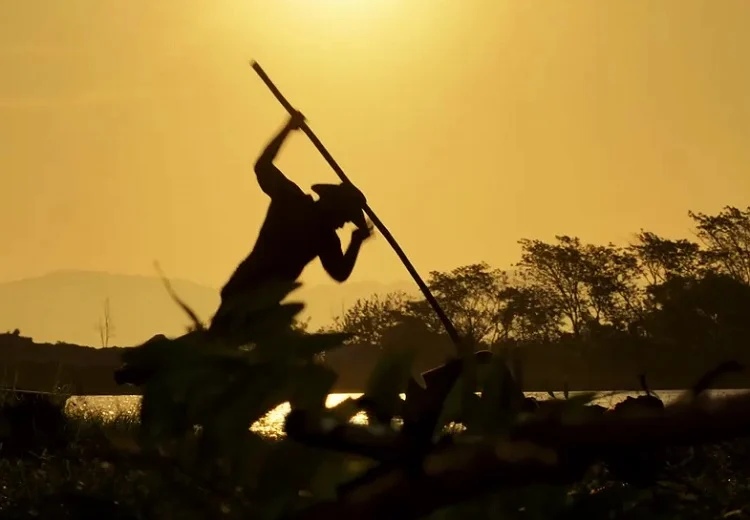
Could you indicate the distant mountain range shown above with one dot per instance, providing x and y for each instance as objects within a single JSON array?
[{"x": 67, "y": 305}]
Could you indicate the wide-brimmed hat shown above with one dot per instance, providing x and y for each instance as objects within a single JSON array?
[{"x": 346, "y": 197}]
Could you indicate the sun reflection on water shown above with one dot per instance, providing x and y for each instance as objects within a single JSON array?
[
  {"x": 272, "y": 423},
  {"x": 127, "y": 406}
]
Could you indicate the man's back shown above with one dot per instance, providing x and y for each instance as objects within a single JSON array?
[{"x": 288, "y": 240}]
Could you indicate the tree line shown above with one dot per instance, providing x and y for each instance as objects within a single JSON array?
[{"x": 689, "y": 292}]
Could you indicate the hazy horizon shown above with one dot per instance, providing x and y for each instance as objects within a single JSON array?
[
  {"x": 65, "y": 305},
  {"x": 323, "y": 283}
]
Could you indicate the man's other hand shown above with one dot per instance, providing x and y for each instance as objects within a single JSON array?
[{"x": 362, "y": 233}]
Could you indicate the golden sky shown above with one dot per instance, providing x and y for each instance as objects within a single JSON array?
[{"x": 128, "y": 129}]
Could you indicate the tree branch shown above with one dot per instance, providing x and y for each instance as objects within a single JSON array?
[{"x": 538, "y": 452}]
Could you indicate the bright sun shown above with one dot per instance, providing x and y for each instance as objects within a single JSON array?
[{"x": 342, "y": 10}]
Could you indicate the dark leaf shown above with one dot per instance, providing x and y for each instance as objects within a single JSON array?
[
  {"x": 387, "y": 381},
  {"x": 501, "y": 398},
  {"x": 312, "y": 385}
]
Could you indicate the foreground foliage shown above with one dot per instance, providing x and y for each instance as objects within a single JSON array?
[{"x": 192, "y": 454}]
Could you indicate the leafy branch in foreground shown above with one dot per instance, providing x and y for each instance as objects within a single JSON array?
[
  {"x": 204, "y": 393},
  {"x": 553, "y": 447}
]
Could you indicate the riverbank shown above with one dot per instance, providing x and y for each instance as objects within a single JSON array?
[
  {"x": 80, "y": 370},
  {"x": 89, "y": 463}
]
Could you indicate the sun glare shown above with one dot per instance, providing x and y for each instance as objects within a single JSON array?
[{"x": 343, "y": 10}]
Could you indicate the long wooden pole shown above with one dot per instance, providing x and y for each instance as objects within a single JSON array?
[{"x": 449, "y": 328}]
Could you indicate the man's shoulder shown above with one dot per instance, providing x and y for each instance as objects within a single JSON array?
[
  {"x": 295, "y": 200},
  {"x": 289, "y": 191}
]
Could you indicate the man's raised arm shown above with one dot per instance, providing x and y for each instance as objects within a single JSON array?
[{"x": 270, "y": 178}]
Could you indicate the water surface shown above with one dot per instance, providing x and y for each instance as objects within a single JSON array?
[{"x": 272, "y": 424}]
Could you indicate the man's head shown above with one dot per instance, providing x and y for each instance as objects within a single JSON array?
[{"x": 341, "y": 203}]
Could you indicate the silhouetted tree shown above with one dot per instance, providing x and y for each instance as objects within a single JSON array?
[
  {"x": 587, "y": 283},
  {"x": 471, "y": 297},
  {"x": 530, "y": 314},
  {"x": 370, "y": 318},
  {"x": 656, "y": 290},
  {"x": 709, "y": 312},
  {"x": 660, "y": 259},
  {"x": 726, "y": 238}
]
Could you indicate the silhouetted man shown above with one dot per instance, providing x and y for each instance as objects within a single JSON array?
[{"x": 297, "y": 229}]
